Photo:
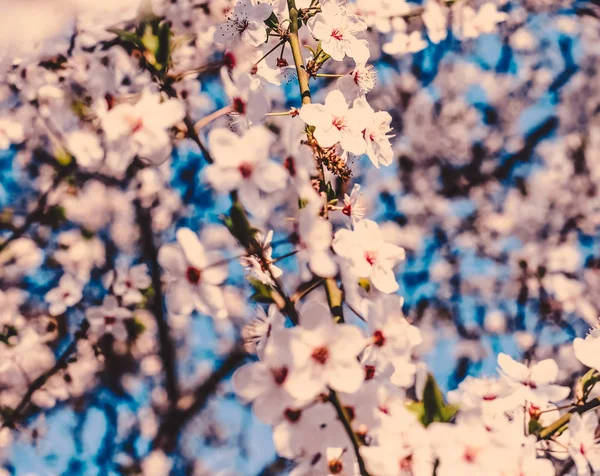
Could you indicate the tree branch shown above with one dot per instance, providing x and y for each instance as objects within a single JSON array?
[
  {"x": 38, "y": 383},
  {"x": 177, "y": 418},
  {"x": 167, "y": 350}
]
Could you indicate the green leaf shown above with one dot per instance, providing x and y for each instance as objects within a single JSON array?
[
  {"x": 586, "y": 384},
  {"x": 150, "y": 40},
  {"x": 238, "y": 225},
  {"x": 418, "y": 409},
  {"x": 272, "y": 22},
  {"x": 534, "y": 427},
  {"x": 127, "y": 36},
  {"x": 163, "y": 51},
  {"x": 435, "y": 408},
  {"x": 262, "y": 292},
  {"x": 331, "y": 195}
]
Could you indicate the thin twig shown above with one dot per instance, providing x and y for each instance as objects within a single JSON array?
[{"x": 38, "y": 383}]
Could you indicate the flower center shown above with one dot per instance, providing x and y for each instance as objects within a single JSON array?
[
  {"x": 406, "y": 463},
  {"x": 290, "y": 165},
  {"x": 338, "y": 123},
  {"x": 109, "y": 320},
  {"x": 239, "y": 105},
  {"x": 371, "y": 257},
  {"x": 279, "y": 375},
  {"x": 378, "y": 338},
  {"x": 369, "y": 372},
  {"x": 470, "y": 455},
  {"x": 347, "y": 210},
  {"x": 320, "y": 355},
  {"x": 136, "y": 123},
  {"x": 241, "y": 24},
  {"x": 335, "y": 466},
  {"x": 193, "y": 275},
  {"x": 246, "y": 170},
  {"x": 292, "y": 415},
  {"x": 337, "y": 34}
]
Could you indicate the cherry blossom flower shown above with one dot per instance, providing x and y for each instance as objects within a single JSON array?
[
  {"x": 127, "y": 282},
  {"x": 242, "y": 164},
  {"x": 85, "y": 147},
  {"x": 193, "y": 276},
  {"x": 353, "y": 205},
  {"x": 532, "y": 384},
  {"x": 403, "y": 42},
  {"x": 586, "y": 350},
  {"x": 109, "y": 318},
  {"x": 324, "y": 353},
  {"x": 246, "y": 23},
  {"x": 335, "y": 122},
  {"x": 11, "y": 132},
  {"x": 315, "y": 243},
  {"x": 368, "y": 255},
  {"x": 393, "y": 339},
  {"x": 145, "y": 124},
  {"x": 358, "y": 82},
  {"x": 583, "y": 446},
  {"x": 436, "y": 22},
  {"x": 257, "y": 333},
  {"x": 376, "y": 133},
  {"x": 259, "y": 270},
  {"x": 18, "y": 258},
  {"x": 263, "y": 383},
  {"x": 337, "y": 29},
  {"x": 67, "y": 294}
]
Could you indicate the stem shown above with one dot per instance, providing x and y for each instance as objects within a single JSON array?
[
  {"x": 38, "y": 212},
  {"x": 333, "y": 292},
  {"x": 61, "y": 363},
  {"x": 563, "y": 420},
  {"x": 284, "y": 113},
  {"x": 297, "y": 53},
  {"x": 328, "y": 75},
  {"x": 345, "y": 419},
  {"x": 206, "y": 120},
  {"x": 282, "y": 42}
]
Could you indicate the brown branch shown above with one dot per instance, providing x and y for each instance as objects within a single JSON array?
[
  {"x": 167, "y": 349},
  {"x": 38, "y": 212},
  {"x": 176, "y": 419},
  {"x": 61, "y": 363}
]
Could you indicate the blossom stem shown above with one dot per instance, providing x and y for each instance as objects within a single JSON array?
[
  {"x": 283, "y": 113},
  {"x": 306, "y": 289},
  {"x": 282, "y": 257},
  {"x": 558, "y": 425},
  {"x": 282, "y": 42},
  {"x": 345, "y": 419},
  {"x": 199, "y": 70},
  {"x": 328, "y": 75},
  {"x": 206, "y": 120},
  {"x": 294, "y": 40}
]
